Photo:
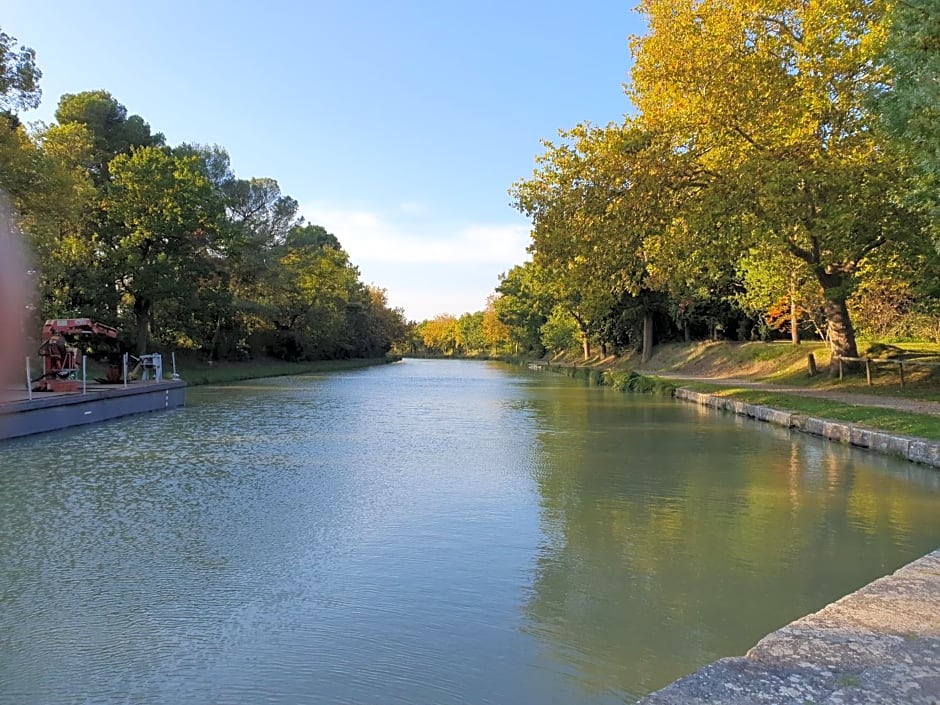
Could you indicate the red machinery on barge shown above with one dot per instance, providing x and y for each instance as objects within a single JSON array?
[{"x": 61, "y": 359}]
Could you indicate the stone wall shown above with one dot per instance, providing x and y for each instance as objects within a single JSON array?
[{"x": 918, "y": 450}]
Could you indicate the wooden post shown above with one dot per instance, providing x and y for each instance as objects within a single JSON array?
[
  {"x": 901, "y": 372},
  {"x": 811, "y": 364},
  {"x": 868, "y": 370},
  {"x": 840, "y": 367}
]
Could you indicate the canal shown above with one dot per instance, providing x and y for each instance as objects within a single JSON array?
[{"x": 425, "y": 532}]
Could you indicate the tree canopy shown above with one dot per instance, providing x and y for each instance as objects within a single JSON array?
[{"x": 167, "y": 244}]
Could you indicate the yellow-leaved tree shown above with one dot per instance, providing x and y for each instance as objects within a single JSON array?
[{"x": 763, "y": 103}]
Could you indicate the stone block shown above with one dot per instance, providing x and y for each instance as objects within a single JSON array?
[
  {"x": 924, "y": 452},
  {"x": 812, "y": 425},
  {"x": 835, "y": 431},
  {"x": 890, "y": 444},
  {"x": 860, "y": 437}
]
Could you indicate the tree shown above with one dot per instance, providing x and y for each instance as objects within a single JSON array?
[
  {"x": 113, "y": 131},
  {"x": 778, "y": 283},
  {"x": 19, "y": 76},
  {"x": 496, "y": 334},
  {"x": 160, "y": 213},
  {"x": 767, "y": 106},
  {"x": 592, "y": 207},
  {"x": 308, "y": 298},
  {"x": 524, "y": 303},
  {"x": 910, "y": 104},
  {"x": 470, "y": 338},
  {"x": 439, "y": 334}
]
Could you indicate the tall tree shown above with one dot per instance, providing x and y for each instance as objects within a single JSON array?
[
  {"x": 113, "y": 131},
  {"x": 768, "y": 103},
  {"x": 524, "y": 303},
  {"x": 19, "y": 76},
  {"x": 161, "y": 210},
  {"x": 592, "y": 207},
  {"x": 910, "y": 104}
]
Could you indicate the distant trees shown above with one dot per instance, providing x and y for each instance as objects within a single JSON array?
[{"x": 167, "y": 243}]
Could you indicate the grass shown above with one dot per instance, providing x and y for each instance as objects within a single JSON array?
[{"x": 902, "y": 422}]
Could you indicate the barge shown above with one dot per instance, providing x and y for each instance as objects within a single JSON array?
[{"x": 52, "y": 411}]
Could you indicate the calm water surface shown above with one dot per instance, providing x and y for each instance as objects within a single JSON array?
[{"x": 426, "y": 532}]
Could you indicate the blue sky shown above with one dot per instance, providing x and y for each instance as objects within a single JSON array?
[{"x": 398, "y": 126}]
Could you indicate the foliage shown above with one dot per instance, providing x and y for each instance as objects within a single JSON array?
[
  {"x": 167, "y": 243},
  {"x": 19, "y": 76},
  {"x": 560, "y": 331},
  {"x": 910, "y": 105}
]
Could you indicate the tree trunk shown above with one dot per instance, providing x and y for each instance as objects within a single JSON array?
[
  {"x": 583, "y": 330},
  {"x": 142, "y": 310},
  {"x": 794, "y": 316},
  {"x": 647, "y": 336},
  {"x": 840, "y": 330}
]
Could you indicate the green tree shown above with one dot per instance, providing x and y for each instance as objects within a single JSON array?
[
  {"x": 593, "y": 205},
  {"x": 524, "y": 303},
  {"x": 113, "y": 131},
  {"x": 910, "y": 104},
  {"x": 19, "y": 76},
  {"x": 470, "y": 338},
  {"x": 767, "y": 106},
  {"x": 560, "y": 332},
  {"x": 161, "y": 212},
  {"x": 773, "y": 280}
]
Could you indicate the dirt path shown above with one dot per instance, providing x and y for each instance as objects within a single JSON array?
[{"x": 917, "y": 406}]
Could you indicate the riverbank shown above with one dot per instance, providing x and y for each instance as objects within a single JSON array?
[{"x": 774, "y": 375}]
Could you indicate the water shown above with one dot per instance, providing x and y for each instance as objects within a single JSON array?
[{"x": 427, "y": 532}]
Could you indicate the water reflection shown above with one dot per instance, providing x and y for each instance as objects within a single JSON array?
[
  {"x": 423, "y": 533},
  {"x": 698, "y": 543}
]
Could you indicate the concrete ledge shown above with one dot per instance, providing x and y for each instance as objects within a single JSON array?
[
  {"x": 918, "y": 450},
  {"x": 51, "y": 413},
  {"x": 877, "y": 646}
]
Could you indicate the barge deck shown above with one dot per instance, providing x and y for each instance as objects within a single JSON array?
[{"x": 51, "y": 411}]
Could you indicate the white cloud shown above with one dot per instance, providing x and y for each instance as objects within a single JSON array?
[
  {"x": 367, "y": 236},
  {"x": 427, "y": 267},
  {"x": 413, "y": 208}
]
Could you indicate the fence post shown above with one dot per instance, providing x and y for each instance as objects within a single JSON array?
[
  {"x": 839, "y": 358},
  {"x": 811, "y": 363},
  {"x": 868, "y": 370},
  {"x": 901, "y": 371}
]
